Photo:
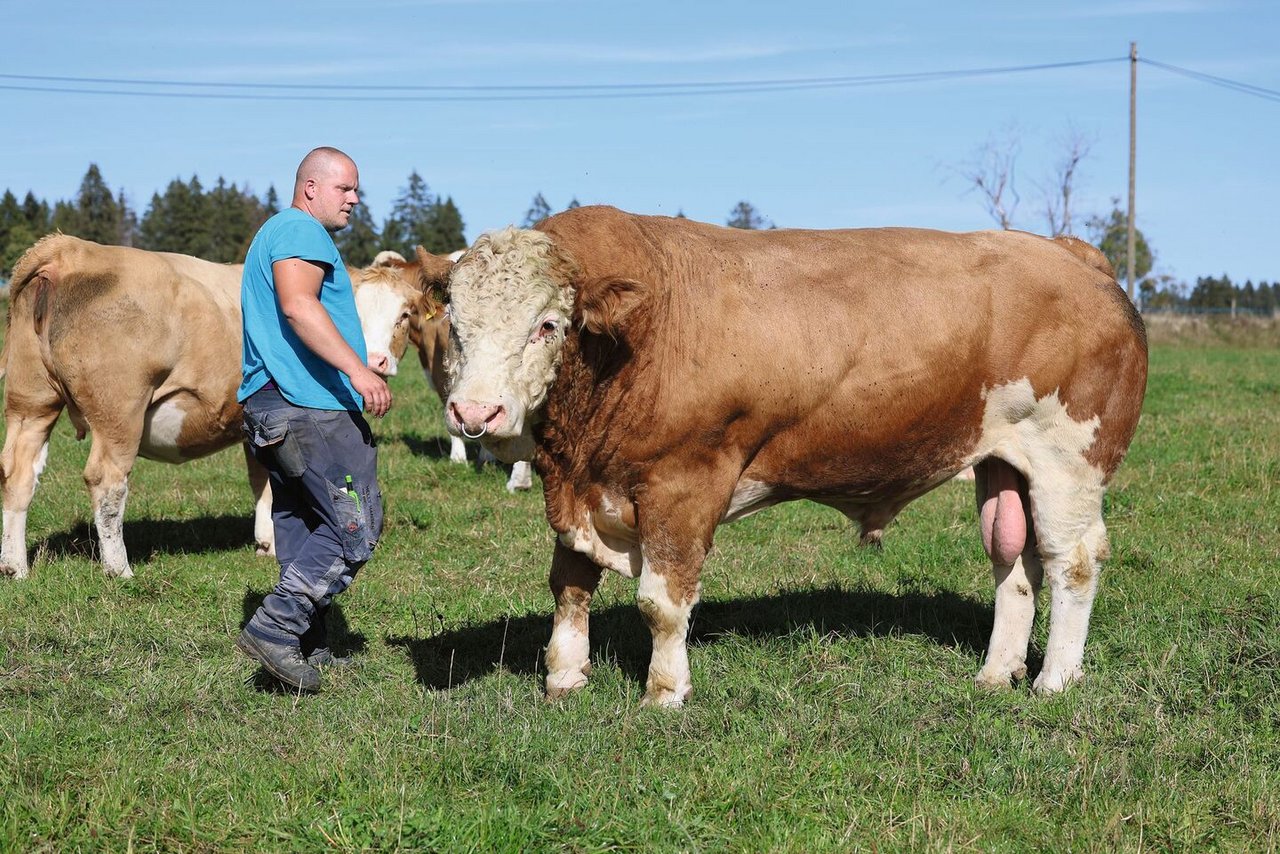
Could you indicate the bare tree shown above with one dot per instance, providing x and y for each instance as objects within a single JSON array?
[
  {"x": 1075, "y": 147},
  {"x": 990, "y": 172}
]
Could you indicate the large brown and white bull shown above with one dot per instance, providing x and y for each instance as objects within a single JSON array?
[
  {"x": 667, "y": 376},
  {"x": 143, "y": 351}
]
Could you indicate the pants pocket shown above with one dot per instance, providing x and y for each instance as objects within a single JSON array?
[
  {"x": 268, "y": 433},
  {"x": 352, "y": 527}
]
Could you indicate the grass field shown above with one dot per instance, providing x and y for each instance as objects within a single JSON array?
[{"x": 833, "y": 707}]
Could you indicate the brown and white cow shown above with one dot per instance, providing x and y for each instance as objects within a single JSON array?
[
  {"x": 668, "y": 376},
  {"x": 143, "y": 351},
  {"x": 430, "y": 335}
]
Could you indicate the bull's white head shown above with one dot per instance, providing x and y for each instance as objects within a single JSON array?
[
  {"x": 510, "y": 303},
  {"x": 388, "y": 296}
]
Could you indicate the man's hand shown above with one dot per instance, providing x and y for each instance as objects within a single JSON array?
[{"x": 374, "y": 390}]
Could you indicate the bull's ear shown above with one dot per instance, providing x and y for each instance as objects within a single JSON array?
[
  {"x": 433, "y": 273},
  {"x": 602, "y": 306}
]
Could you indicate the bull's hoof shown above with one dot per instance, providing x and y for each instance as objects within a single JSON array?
[
  {"x": 118, "y": 572},
  {"x": 266, "y": 550},
  {"x": 564, "y": 682},
  {"x": 1055, "y": 682},
  {"x": 15, "y": 572},
  {"x": 665, "y": 699},
  {"x": 999, "y": 679}
]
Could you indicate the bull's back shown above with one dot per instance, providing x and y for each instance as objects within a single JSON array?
[{"x": 846, "y": 359}]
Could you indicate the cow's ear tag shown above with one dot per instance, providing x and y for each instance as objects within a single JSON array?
[{"x": 603, "y": 305}]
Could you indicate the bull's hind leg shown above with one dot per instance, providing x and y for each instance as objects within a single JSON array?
[
  {"x": 1072, "y": 542},
  {"x": 574, "y": 579},
  {"x": 26, "y": 447},
  {"x": 1008, "y": 535}
]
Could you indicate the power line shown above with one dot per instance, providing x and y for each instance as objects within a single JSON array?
[
  {"x": 514, "y": 92},
  {"x": 1235, "y": 85}
]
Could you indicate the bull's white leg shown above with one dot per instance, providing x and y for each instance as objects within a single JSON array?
[
  {"x": 667, "y": 613},
  {"x": 574, "y": 579},
  {"x": 521, "y": 476},
  {"x": 1016, "y": 589},
  {"x": 1073, "y": 583},
  {"x": 1017, "y": 583},
  {"x": 457, "y": 450},
  {"x": 264, "y": 531},
  {"x": 26, "y": 448}
]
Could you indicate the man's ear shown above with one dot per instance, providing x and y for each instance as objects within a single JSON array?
[{"x": 602, "y": 306}]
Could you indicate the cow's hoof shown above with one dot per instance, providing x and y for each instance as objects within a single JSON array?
[
  {"x": 1055, "y": 682},
  {"x": 126, "y": 572},
  {"x": 266, "y": 550},
  {"x": 17, "y": 573},
  {"x": 999, "y": 679},
  {"x": 564, "y": 682}
]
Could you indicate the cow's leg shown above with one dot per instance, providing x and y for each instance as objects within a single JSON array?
[
  {"x": 457, "y": 450},
  {"x": 574, "y": 579},
  {"x": 1017, "y": 574},
  {"x": 521, "y": 476},
  {"x": 26, "y": 448},
  {"x": 111, "y": 458},
  {"x": 264, "y": 530}
]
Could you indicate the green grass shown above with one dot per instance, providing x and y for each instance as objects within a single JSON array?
[{"x": 833, "y": 705}]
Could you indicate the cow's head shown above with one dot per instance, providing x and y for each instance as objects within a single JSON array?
[
  {"x": 511, "y": 300},
  {"x": 391, "y": 296}
]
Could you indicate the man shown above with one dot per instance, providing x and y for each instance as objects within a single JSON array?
[{"x": 305, "y": 384}]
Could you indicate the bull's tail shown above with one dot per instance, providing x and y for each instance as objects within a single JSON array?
[{"x": 1086, "y": 252}]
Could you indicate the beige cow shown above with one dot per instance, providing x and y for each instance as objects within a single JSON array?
[{"x": 143, "y": 351}]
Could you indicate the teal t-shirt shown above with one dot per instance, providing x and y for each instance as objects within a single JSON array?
[{"x": 272, "y": 350}]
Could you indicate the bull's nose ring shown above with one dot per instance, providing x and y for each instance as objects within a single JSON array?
[{"x": 484, "y": 428}]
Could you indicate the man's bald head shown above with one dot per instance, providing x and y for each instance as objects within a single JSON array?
[
  {"x": 326, "y": 185},
  {"x": 318, "y": 165}
]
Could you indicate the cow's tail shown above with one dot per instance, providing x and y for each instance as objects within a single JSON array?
[
  {"x": 38, "y": 269},
  {"x": 1086, "y": 252}
]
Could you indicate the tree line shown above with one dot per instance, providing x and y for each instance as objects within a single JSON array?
[{"x": 217, "y": 223}]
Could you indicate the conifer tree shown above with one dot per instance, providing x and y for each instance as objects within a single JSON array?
[
  {"x": 538, "y": 211},
  {"x": 97, "y": 217}
]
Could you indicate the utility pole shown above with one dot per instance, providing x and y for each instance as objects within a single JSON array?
[{"x": 1133, "y": 153}]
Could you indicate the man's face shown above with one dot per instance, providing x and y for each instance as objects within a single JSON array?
[{"x": 334, "y": 195}]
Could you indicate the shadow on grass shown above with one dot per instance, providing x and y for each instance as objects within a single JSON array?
[
  {"x": 431, "y": 447},
  {"x": 457, "y": 656},
  {"x": 145, "y": 538}
]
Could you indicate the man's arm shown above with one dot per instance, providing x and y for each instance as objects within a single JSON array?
[{"x": 298, "y": 284}]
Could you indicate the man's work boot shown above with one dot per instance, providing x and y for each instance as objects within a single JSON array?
[
  {"x": 280, "y": 660},
  {"x": 314, "y": 643}
]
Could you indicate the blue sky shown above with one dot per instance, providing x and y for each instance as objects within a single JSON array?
[{"x": 837, "y": 156}]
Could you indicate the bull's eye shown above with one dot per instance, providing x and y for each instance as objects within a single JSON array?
[{"x": 545, "y": 331}]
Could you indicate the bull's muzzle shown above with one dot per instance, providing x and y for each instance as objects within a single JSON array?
[{"x": 474, "y": 420}]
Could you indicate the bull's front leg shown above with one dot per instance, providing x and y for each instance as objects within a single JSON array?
[
  {"x": 667, "y": 592},
  {"x": 574, "y": 579}
]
